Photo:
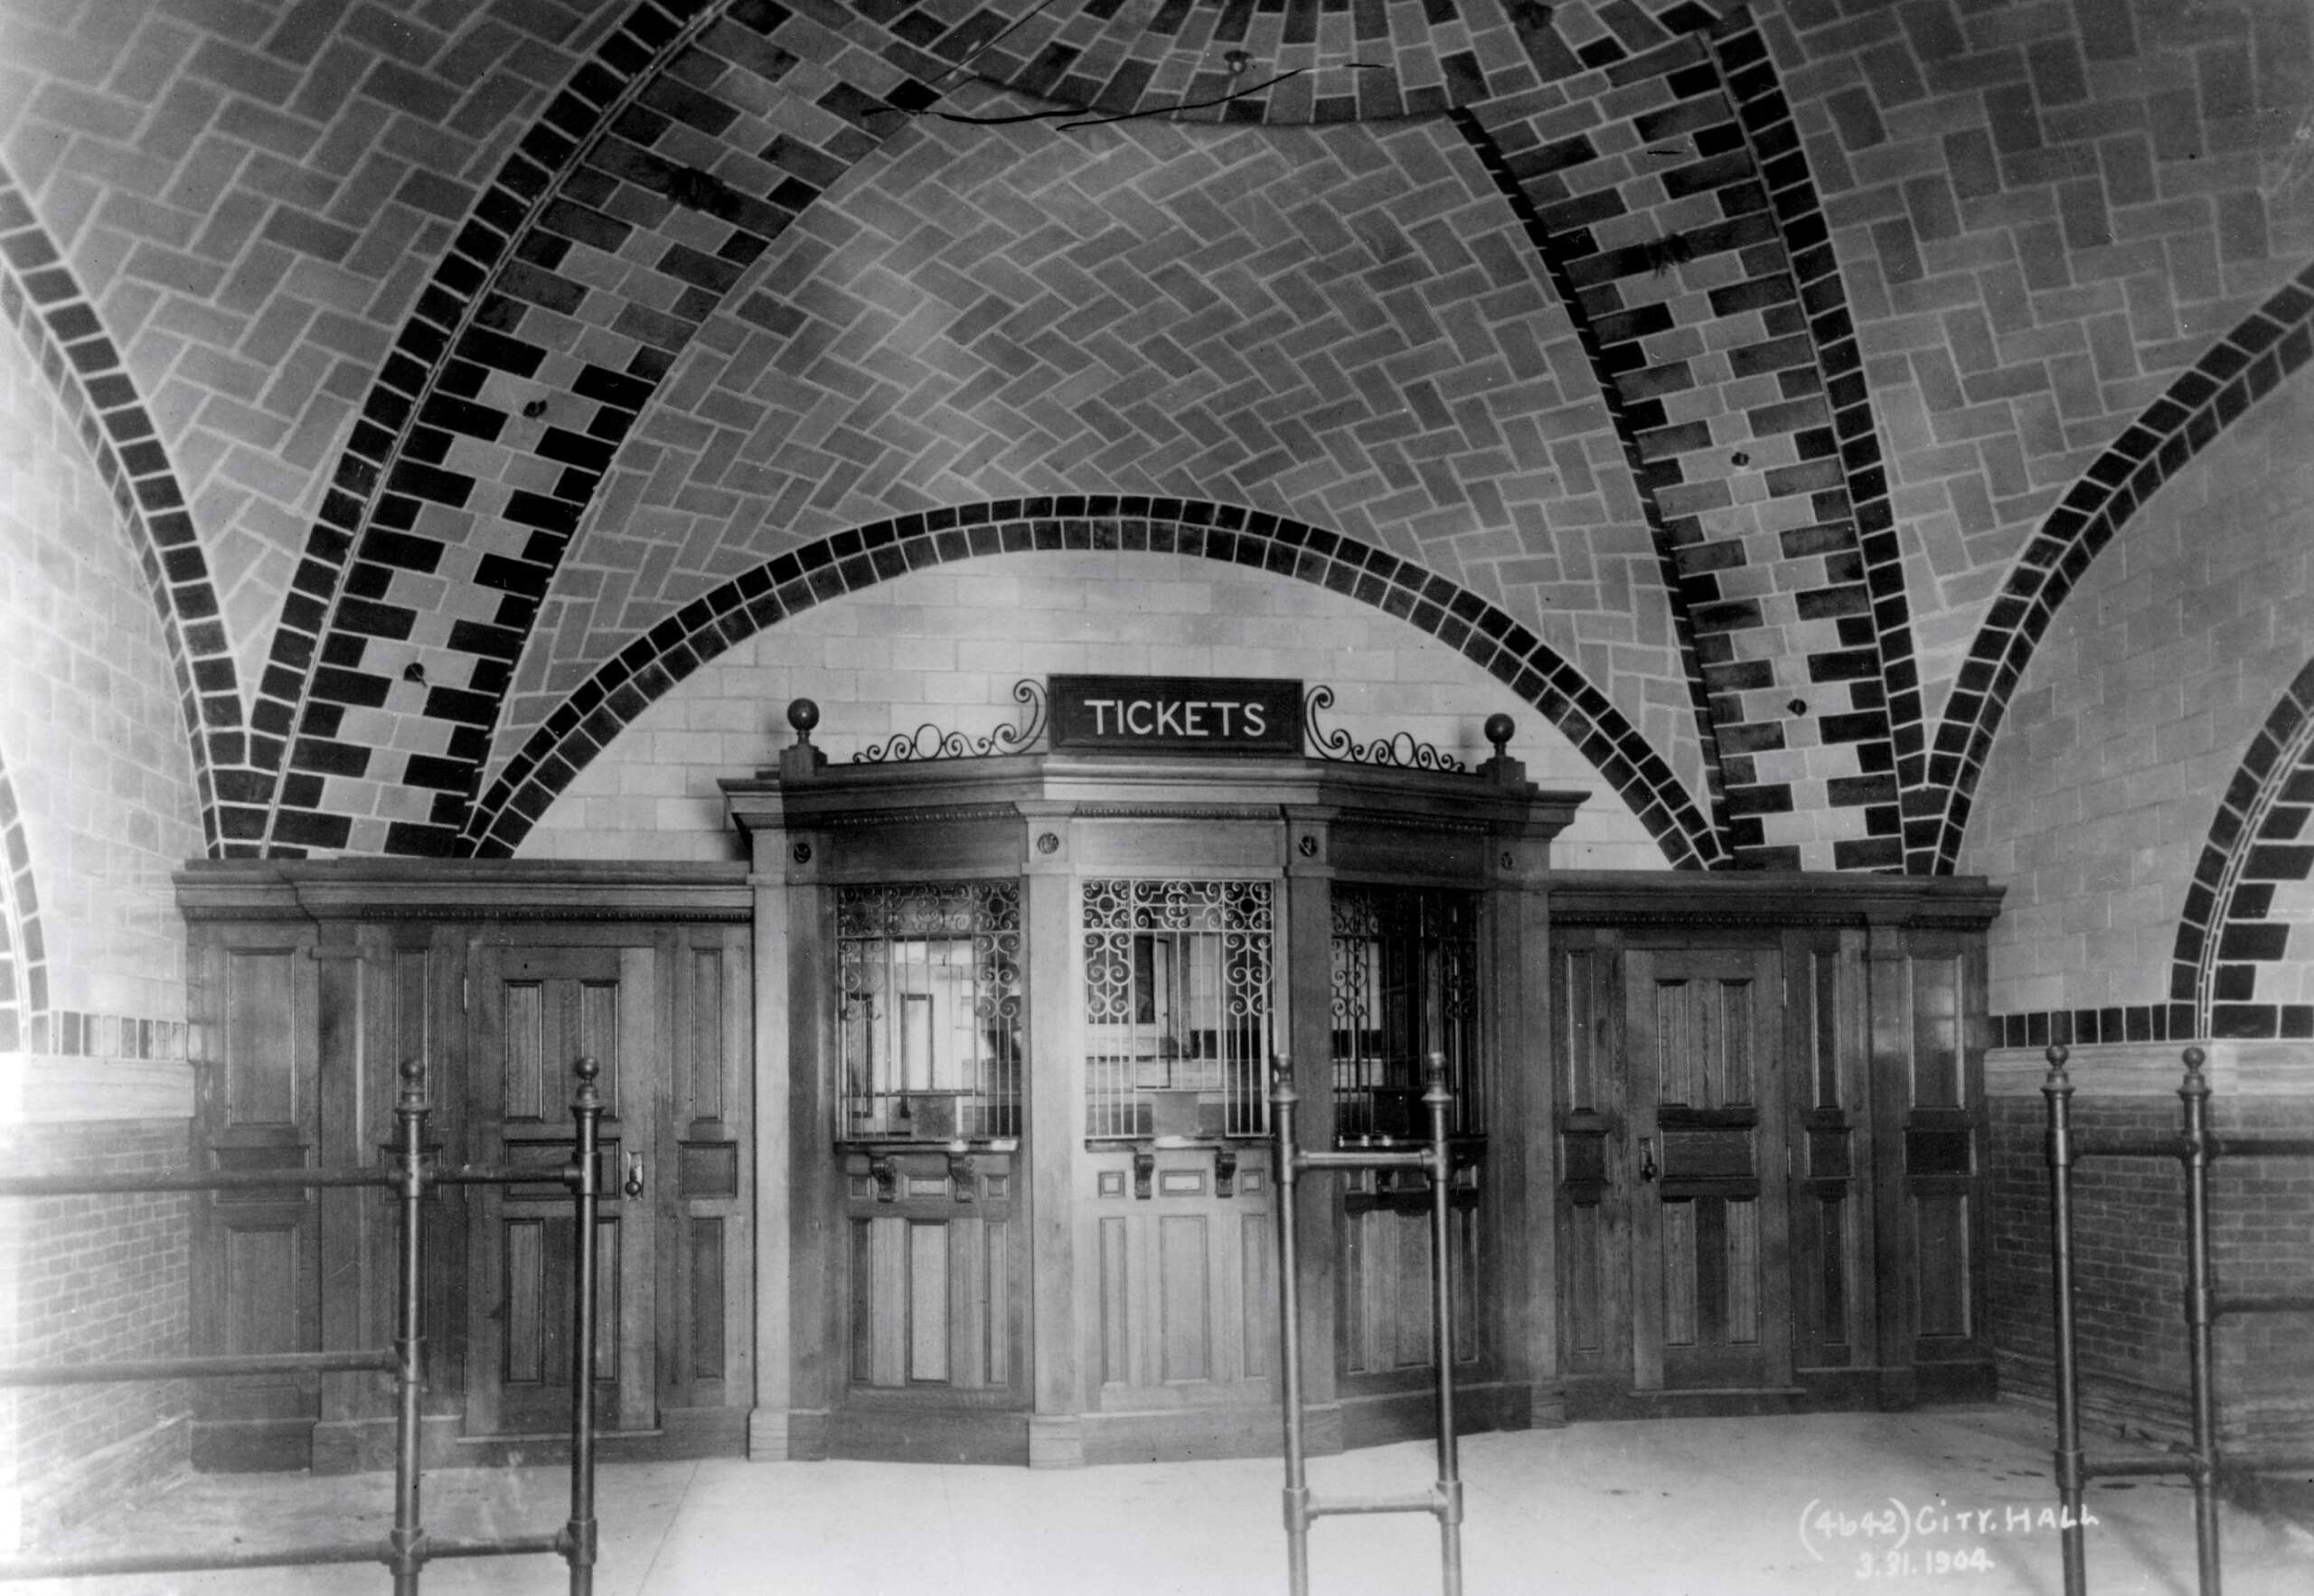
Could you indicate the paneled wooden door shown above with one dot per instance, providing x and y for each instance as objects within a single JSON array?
[
  {"x": 535, "y": 1010},
  {"x": 1711, "y": 1277},
  {"x": 256, "y": 1287}
]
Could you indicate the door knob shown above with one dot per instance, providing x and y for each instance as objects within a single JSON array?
[
  {"x": 1647, "y": 1169},
  {"x": 634, "y": 1187}
]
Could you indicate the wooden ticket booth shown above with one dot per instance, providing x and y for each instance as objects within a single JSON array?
[{"x": 1016, "y": 1018}]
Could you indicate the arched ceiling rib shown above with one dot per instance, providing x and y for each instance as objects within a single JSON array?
[
  {"x": 2251, "y": 360},
  {"x": 621, "y": 688},
  {"x": 64, "y": 340}
]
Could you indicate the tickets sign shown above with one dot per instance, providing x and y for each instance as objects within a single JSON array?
[{"x": 1175, "y": 714}]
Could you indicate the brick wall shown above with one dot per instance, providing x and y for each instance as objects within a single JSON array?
[
  {"x": 2135, "y": 714},
  {"x": 2130, "y": 1240},
  {"x": 87, "y": 1279},
  {"x": 945, "y": 645}
]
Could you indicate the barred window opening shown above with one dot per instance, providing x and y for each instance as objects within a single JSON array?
[
  {"x": 930, "y": 1003},
  {"x": 1178, "y": 1021},
  {"x": 1405, "y": 985}
]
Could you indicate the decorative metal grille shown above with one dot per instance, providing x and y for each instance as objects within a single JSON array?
[
  {"x": 1405, "y": 976},
  {"x": 929, "y": 994},
  {"x": 1177, "y": 1007}
]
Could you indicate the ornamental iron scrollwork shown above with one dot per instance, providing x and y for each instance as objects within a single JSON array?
[
  {"x": 1402, "y": 750},
  {"x": 930, "y": 742}
]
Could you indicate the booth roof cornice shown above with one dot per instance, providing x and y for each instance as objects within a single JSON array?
[{"x": 1257, "y": 788}]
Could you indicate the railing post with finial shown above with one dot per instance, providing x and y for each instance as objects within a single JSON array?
[
  {"x": 1441, "y": 1103},
  {"x": 1283, "y": 1100},
  {"x": 579, "y": 1535},
  {"x": 2193, "y": 1096},
  {"x": 407, "y": 1541},
  {"x": 2058, "y": 1091}
]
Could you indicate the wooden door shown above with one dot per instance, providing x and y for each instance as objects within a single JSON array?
[
  {"x": 257, "y": 1288},
  {"x": 1594, "y": 1189},
  {"x": 701, "y": 1185},
  {"x": 535, "y": 1011},
  {"x": 1710, "y": 1288}
]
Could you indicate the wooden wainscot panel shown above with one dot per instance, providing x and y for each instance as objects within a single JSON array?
[
  {"x": 1819, "y": 1241},
  {"x": 932, "y": 1307},
  {"x": 1182, "y": 1333},
  {"x": 315, "y": 981}
]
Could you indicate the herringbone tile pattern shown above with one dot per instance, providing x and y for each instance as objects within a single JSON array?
[
  {"x": 2045, "y": 215},
  {"x": 1339, "y": 326}
]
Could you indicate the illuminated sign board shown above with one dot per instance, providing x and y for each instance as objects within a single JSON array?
[{"x": 1175, "y": 714}]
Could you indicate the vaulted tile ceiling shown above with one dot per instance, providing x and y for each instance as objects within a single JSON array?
[{"x": 1745, "y": 387}]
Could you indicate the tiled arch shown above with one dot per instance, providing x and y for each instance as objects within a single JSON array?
[
  {"x": 23, "y": 951},
  {"x": 2259, "y": 846},
  {"x": 625, "y": 686},
  {"x": 1319, "y": 60},
  {"x": 62, "y": 334},
  {"x": 673, "y": 152},
  {"x": 1683, "y": 229},
  {"x": 2241, "y": 367}
]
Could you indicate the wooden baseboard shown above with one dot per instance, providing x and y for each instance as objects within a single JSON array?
[
  {"x": 1868, "y": 1389},
  {"x": 1386, "y": 1418},
  {"x": 928, "y": 1435},
  {"x": 1180, "y": 1434}
]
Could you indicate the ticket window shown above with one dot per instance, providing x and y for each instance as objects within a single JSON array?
[
  {"x": 1404, "y": 974},
  {"x": 930, "y": 1000},
  {"x": 1179, "y": 1015}
]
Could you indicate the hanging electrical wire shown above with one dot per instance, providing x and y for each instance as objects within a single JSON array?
[{"x": 1086, "y": 118}]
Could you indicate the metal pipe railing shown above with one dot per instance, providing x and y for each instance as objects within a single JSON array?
[
  {"x": 579, "y": 1546},
  {"x": 1445, "y": 1499},
  {"x": 2197, "y": 1149},
  {"x": 406, "y": 1548}
]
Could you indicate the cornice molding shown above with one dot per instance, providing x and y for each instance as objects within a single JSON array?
[
  {"x": 464, "y": 890},
  {"x": 1779, "y": 898}
]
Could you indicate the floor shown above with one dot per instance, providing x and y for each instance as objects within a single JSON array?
[{"x": 1776, "y": 1506}]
